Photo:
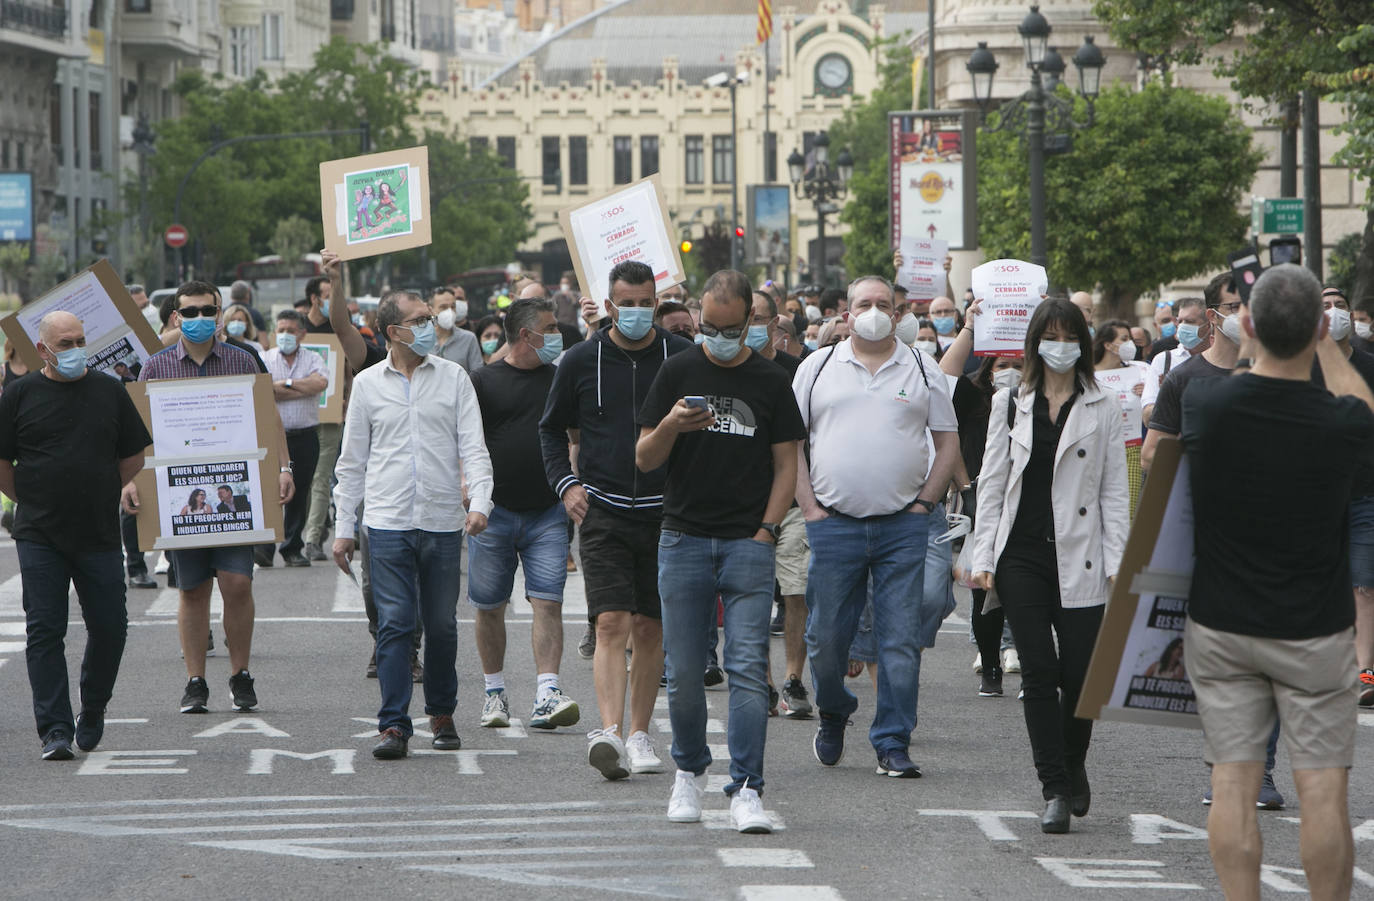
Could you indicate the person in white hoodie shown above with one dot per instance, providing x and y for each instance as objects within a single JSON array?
[{"x": 1053, "y": 514}]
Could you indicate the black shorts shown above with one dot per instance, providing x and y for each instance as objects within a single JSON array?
[{"x": 619, "y": 563}]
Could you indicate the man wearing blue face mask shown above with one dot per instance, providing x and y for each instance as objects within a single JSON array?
[
  {"x": 763, "y": 333},
  {"x": 196, "y": 314},
  {"x": 413, "y": 425},
  {"x": 68, "y": 441},
  {"x": 527, "y": 525},
  {"x": 1192, "y": 336},
  {"x": 298, "y": 379}
]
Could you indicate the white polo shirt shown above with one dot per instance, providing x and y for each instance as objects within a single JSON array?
[{"x": 869, "y": 455}]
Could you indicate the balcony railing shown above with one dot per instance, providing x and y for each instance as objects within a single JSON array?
[{"x": 45, "y": 21}]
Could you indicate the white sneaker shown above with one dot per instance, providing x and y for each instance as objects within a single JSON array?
[
  {"x": 1011, "y": 661},
  {"x": 685, "y": 804},
  {"x": 162, "y": 565},
  {"x": 606, "y": 753},
  {"x": 746, "y": 811},
  {"x": 495, "y": 711},
  {"x": 978, "y": 663},
  {"x": 639, "y": 748}
]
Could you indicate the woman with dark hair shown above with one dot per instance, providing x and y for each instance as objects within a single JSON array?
[
  {"x": 1120, "y": 371},
  {"x": 195, "y": 504},
  {"x": 491, "y": 334},
  {"x": 1170, "y": 663},
  {"x": 1052, "y": 521},
  {"x": 927, "y": 339}
]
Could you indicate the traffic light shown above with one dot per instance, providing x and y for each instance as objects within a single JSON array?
[
  {"x": 739, "y": 247},
  {"x": 686, "y": 245}
]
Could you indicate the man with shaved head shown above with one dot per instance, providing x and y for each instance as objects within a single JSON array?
[{"x": 69, "y": 440}]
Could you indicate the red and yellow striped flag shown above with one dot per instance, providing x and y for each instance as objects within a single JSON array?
[{"x": 765, "y": 29}]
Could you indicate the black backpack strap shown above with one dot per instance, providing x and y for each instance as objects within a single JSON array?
[
  {"x": 806, "y": 444},
  {"x": 1168, "y": 360}
]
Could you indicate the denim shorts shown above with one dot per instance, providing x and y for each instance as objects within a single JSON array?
[
  {"x": 196, "y": 565},
  {"x": 1362, "y": 542},
  {"x": 536, "y": 538}
]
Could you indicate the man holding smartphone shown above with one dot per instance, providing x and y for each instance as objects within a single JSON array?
[{"x": 732, "y": 465}]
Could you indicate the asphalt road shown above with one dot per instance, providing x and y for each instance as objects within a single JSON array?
[{"x": 288, "y": 802}]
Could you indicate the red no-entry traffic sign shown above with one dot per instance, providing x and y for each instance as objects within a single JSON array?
[{"x": 176, "y": 236}]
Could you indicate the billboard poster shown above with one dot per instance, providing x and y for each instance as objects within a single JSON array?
[
  {"x": 16, "y": 206},
  {"x": 768, "y": 239},
  {"x": 932, "y": 178}
]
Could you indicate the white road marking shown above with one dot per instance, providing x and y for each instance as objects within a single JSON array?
[
  {"x": 12, "y": 596},
  {"x": 467, "y": 760},
  {"x": 789, "y": 893},
  {"x": 12, "y": 628},
  {"x": 1102, "y": 873},
  {"x": 126, "y": 721},
  {"x": 720, "y": 819},
  {"x": 11, "y": 647},
  {"x": 348, "y": 595},
  {"x": 168, "y": 599},
  {"x": 763, "y": 857},
  {"x": 990, "y": 821},
  {"x": 665, "y": 726}
]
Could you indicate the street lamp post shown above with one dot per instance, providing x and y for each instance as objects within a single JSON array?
[
  {"x": 143, "y": 146},
  {"x": 1027, "y": 114},
  {"x": 822, "y": 184}
]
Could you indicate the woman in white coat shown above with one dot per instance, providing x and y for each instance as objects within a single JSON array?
[{"x": 1053, "y": 513}]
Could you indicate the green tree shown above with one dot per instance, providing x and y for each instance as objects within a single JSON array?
[
  {"x": 481, "y": 208},
  {"x": 15, "y": 270},
  {"x": 1132, "y": 205},
  {"x": 1341, "y": 263},
  {"x": 863, "y": 129},
  {"x": 293, "y": 238}
]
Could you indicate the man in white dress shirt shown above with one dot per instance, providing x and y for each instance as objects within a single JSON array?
[{"x": 413, "y": 425}]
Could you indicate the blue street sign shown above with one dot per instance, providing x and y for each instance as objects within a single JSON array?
[{"x": 16, "y": 206}]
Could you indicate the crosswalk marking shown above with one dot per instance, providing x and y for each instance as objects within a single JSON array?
[
  {"x": 12, "y": 596},
  {"x": 789, "y": 893},
  {"x": 168, "y": 599},
  {"x": 764, "y": 857}
]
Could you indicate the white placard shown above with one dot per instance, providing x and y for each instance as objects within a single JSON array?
[
  {"x": 923, "y": 267},
  {"x": 1122, "y": 383},
  {"x": 1010, "y": 290}
]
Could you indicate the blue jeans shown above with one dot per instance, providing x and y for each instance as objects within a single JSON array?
[
  {"x": 415, "y": 571},
  {"x": 845, "y": 552},
  {"x": 536, "y": 538},
  {"x": 47, "y": 573},
  {"x": 937, "y": 598},
  {"x": 691, "y": 572}
]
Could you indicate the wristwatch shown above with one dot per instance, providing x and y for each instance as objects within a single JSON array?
[
  {"x": 288, "y": 383},
  {"x": 287, "y": 467},
  {"x": 771, "y": 528},
  {"x": 929, "y": 505}
]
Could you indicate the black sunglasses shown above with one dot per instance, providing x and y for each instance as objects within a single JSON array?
[{"x": 193, "y": 312}]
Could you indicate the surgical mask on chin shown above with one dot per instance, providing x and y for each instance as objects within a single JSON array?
[
  {"x": 236, "y": 328},
  {"x": 872, "y": 324},
  {"x": 446, "y": 318},
  {"x": 929, "y": 347},
  {"x": 1230, "y": 327},
  {"x": 1006, "y": 378},
  {"x": 286, "y": 343},
  {"x": 634, "y": 322},
  {"x": 907, "y": 329},
  {"x": 1059, "y": 355},
  {"x": 422, "y": 339},
  {"x": 1364, "y": 330},
  {"x": 71, "y": 362},
  {"x": 944, "y": 325},
  {"x": 460, "y": 310},
  {"x": 1188, "y": 336},
  {"x": 757, "y": 337},
  {"x": 198, "y": 330},
  {"x": 1167, "y": 330},
  {"x": 553, "y": 346},
  {"x": 1127, "y": 351},
  {"x": 813, "y": 313},
  {"x": 1339, "y": 323},
  {"x": 723, "y": 348}
]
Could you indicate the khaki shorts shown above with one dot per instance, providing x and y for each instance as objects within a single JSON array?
[
  {"x": 1241, "y": 682},
  {"x": 793, "y": 554}
]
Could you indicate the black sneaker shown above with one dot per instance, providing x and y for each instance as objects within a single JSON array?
[
  {"x": 828, "y": 745},
  {"x": 371, "y": 671},
  {"x": 263, "y": 558},
  {"x": 778, "y": 626},
  {"x": 991, "y": 686},
  {"x": 714, "y": 675},
  {"x": 391, "y": 747},
  {"x": 294, "y": 560},
  {"x": 795, "y": 704},
  {"x": 57, "y": 746},
  {"x": 445, "y": 735},
  {"x": 197, "y": 696},
  {"x": 241, "y": 687},
  {"x": 90, "y": 727},
  {"x": 897, "y": 765}
]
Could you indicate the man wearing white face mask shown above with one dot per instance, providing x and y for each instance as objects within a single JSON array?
[
  {"x": 456, "y": 344},
  {"x": 870, "y": 399},
  {"x": 1166, "y": 420},
  {"x": 298, "y": 377},
  {"x": 413, "y": 424}
]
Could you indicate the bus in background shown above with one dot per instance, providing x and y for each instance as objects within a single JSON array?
[{"x": 276, "y": 284}]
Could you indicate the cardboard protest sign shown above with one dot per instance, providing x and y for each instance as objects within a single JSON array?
[
  {"x": 116, "y": 330},
  {"x": 331, "y": 400},
  {"x": 1137, "y": 673},
  {"x": 630, "y": 223},
  {"x": 211, "y": 477},
  {"x": 923, "y": 267},
  {"x": 375, "y": 204},
  {"x": 1009, "y": 290}
]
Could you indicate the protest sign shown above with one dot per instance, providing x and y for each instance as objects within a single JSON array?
[
  {"x": 211, "y": 479},
  {"x": 1122, "y": 382},
  {"x": 375, "y": 204},
  {"x": 630, "y": 223},
  {"x": 116, "y": 330},
  {"x": 331, "y": 399},
  {"x": 923, "y": 267},
  {"x": 1010, "y": 290},
  {"x": 1137, "y": 673}
]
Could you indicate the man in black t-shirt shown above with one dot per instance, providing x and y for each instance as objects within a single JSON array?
[
  {"x": 1270, "y": 614},
  {"x": 727, "y": 425},
  {"x": 70, "y": 439},
  {"x": 527, "y": 522},
  {"x": 763, "y": 332}
]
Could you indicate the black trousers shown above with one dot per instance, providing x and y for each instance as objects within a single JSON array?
[
  {"x": 987, "y": 629},
  {"x": 133, "y": 557},
  {"x": 304, "y": 447},
  {"x": 1028, "y": 584}
]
